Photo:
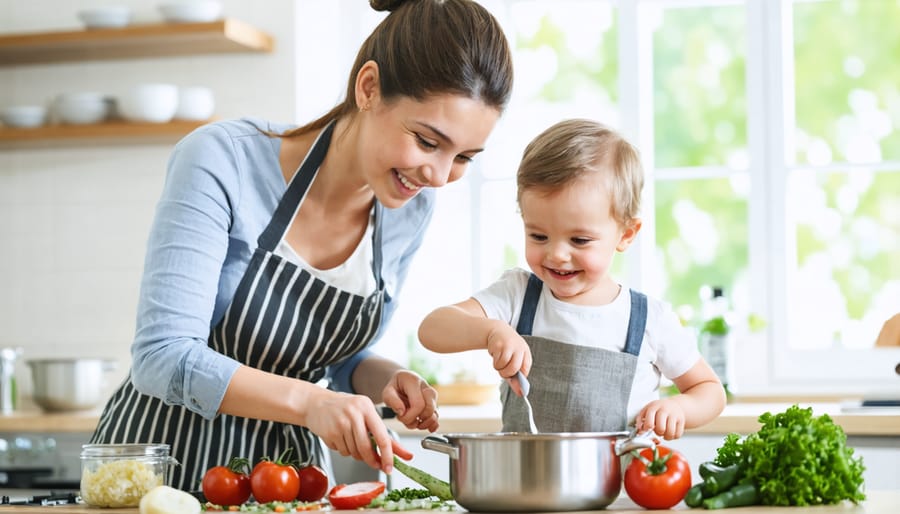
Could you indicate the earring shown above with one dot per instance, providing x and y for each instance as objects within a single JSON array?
[{"x": 364, "y": 107}]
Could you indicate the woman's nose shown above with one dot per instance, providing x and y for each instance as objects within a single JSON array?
[{"x": 441, "y": 172}]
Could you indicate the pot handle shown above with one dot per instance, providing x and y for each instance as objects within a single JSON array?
[
  {"x": 635, "y": 441},
  {"x": 440, "y": 444}
]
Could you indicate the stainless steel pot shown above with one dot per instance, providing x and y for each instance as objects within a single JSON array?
[
  {"x": 69, "y": 384},
  {"x": 518, "y": 472}
]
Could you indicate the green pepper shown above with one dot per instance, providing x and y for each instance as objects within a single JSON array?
[
  {"x": 717, "y": 478},
  {"x": 738, "y": 496},
  {"x": 694, "y": 496}
]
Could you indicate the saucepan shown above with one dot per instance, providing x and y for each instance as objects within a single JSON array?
[{"x": 522, "y": 472}]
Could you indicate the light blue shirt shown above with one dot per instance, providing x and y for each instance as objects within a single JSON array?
[{"x": 223, "y": 184}]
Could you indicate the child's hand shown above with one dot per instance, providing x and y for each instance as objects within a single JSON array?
[
  {"x": 509, "y": 351},
  {"x": 665, "y": 417}
]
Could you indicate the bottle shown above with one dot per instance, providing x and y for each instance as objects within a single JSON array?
[{"x": 715, "y": 336}]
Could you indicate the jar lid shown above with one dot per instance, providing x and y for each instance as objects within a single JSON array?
[{"x": 124, "y": 450}]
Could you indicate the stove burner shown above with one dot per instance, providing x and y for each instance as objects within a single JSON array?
[{"x": 42, "y": 500}]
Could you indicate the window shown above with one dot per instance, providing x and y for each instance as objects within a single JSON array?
[{"x": 770, "y": 133}]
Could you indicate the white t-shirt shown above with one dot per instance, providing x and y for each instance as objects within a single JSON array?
[
  {"x": 353, "y": 275},
  {"x": 668, "y": 348}
]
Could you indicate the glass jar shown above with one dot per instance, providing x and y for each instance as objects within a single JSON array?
[{"x": 118, "y": 475}]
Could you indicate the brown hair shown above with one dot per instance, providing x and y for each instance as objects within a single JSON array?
[
  {"x": 428, "y": 47},
  {"x": 571, "y": 148}
]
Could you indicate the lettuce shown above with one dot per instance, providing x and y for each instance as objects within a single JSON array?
[{"x": 796, "y": 459}]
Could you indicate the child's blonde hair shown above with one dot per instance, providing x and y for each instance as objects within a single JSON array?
[{"x": 573, "y": 147}]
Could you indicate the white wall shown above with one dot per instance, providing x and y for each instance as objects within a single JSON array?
[{"x": 74, "y": 221}]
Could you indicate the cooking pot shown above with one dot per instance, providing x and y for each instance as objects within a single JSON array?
[
  {"x": 521, "y": 472},
  {"x": 69, "y": 384}
]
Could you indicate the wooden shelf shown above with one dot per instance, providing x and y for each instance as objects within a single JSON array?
[
  {"x": 97, "y": 133},
  {"x": 156, "y": 40}
]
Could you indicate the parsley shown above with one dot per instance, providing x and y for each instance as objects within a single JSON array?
[{"x": 796, "y": 459}]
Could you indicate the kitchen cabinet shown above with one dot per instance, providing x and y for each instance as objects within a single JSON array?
[{"x": 132, "y": 42}]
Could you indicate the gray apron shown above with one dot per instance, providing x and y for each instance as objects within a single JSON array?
[
  {"x": 574, "y": 388},
  {"x": 282, "y": 320}
]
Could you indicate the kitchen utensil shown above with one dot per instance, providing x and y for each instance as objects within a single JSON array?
[
  {"x": 105, "y": 17},
  {"x": 8, "y": 392},
  {"x": 517, "y": 472},
  {"x": 153, "y": 103},
  {"x": 195, "y": 103},
  {"x": 69, "y": 384},
  {"x": 191, "y": 11},
  {"x": 105, "y": 467},
  {"x": 526, "y": 387},
  {"x": 81, "y": 108},
  {"x": 24, "y": 116}
]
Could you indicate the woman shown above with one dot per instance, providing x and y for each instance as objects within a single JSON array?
[{"x": 277, "y": 255}]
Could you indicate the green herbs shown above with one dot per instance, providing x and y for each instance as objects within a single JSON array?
[
  {"x": 407, "y": 493},
  {"x": 796, "y": 459}
]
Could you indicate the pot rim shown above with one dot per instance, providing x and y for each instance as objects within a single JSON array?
[{"x": 529, "y": 436}]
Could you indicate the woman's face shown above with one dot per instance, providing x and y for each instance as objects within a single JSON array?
[{"x": 407, "y": 145}]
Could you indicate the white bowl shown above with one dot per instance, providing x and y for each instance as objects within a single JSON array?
[
  {"x": 107, "y": 17},
  {"x": 195, "y": 103},
  {"x": 191, "y": 11},
  {"x": 24, "y": 116},
  {"x": 82, "y": 108},
  {"x": 154, "y": 103}
]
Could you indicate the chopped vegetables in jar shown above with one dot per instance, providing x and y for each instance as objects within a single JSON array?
[{"x": 118, "y": 483}]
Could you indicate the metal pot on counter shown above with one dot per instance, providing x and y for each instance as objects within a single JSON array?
[
  {"x": 69, "y": 384},
  {"x": 522, "y": 472}
]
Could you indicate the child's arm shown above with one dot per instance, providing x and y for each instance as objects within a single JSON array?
[
  {"x": 701, "y": 400},
  {"x": 464, "y": 326}
]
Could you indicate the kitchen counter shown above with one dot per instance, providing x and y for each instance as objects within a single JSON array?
[
  {"x": 737, "y": 417},
  {"x": 879, "y": 502}
]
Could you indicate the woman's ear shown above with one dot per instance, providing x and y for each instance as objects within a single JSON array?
[
  {"x": 628, "y": 235},
  {"x": 367, "y": 86}
]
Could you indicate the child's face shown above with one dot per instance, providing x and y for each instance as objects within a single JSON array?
[{"x": 571, "y": 237}]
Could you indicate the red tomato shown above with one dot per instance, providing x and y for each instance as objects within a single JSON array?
[
  {"x": 313, "y": 483},
  {"x": 657, "y": 478},
  {"x": 227, "y": 485},
  {"x": 274, "y": 481},
  {"x": 354, "y": 496}
]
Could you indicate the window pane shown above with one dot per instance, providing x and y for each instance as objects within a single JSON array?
[
  {"x": 846, "y": 278},
  {"x": 847, "y": 81},
  {"x": 565, "y": 63},
  {"x": 701, "y": 230},
  {"x": 700, "y": 102}
]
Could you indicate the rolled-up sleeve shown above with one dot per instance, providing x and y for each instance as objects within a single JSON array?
[{"x": 187, "y": 247}]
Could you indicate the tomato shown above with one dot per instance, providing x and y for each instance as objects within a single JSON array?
[
  {"x": 274, "y": 481},
  {"x": 227, "y": 485},
  {"x": 313, "y": 483},
  {"x": 657, "y": 478},
  {"x": 354, "y": 496}
]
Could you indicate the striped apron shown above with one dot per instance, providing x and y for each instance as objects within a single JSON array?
[
  {"x": 574, "y": 388},
  {"x": 282, "y": 320}
]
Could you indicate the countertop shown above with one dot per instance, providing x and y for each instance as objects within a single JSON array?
[
  {"x": 740, "y": 417},
  {"x": 879, "y": 502}
]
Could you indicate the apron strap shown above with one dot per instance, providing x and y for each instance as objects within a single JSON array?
[
  {"x": 637, "y": 322},
  {"x": 296, "y": 191},
  {"x": 529, "y": 305}
]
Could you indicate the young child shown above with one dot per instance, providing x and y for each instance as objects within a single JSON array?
[{"x": 593, "y": 351}]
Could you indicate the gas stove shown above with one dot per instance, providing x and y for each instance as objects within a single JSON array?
[{"x": 41, "y": 498}]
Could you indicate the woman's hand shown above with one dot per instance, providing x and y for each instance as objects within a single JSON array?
[
  {"x": 665, "y": 417},
  {"x": 348, "y": 424},
  {"x": 413, "y": 400}
]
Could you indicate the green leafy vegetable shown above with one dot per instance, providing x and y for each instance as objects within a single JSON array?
[{"x": 796, "y": 459}]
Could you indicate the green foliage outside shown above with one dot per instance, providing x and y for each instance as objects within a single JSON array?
[{"x": 846, "y": 87}]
